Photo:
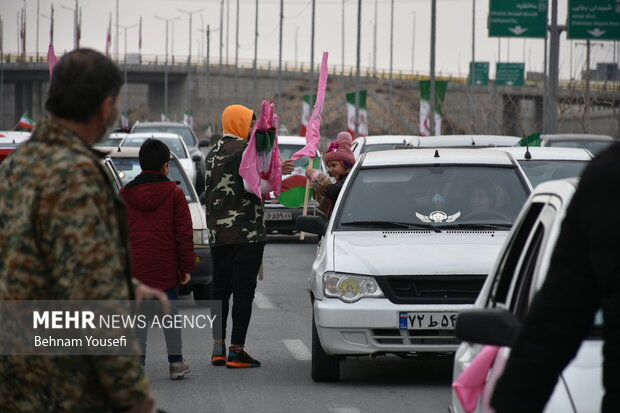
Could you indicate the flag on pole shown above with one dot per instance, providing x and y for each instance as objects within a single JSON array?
[
  {"x": 425, "y": 106},
  {"x": 124, "y": 121},
  {"x": 51, "y": 56},
  {"x": 313, "y": 130},
  {"x": 188, "y": 119},
  {"x": 531, "y": 140},
  {"x": 22, "y": 34},
  {"x": 26, "y": 122},
  {"x": 79, "y": 28},
  {"x": 140, "y": 37},
  {"x": 164, "y": 117},
  {"x": 108, "y": 37},
  {"x": 362, "y": 128},
  {"x": 1, "y": 38},
  {"x": 305, "y": 114},
  {"x": 294, "y": 185}
]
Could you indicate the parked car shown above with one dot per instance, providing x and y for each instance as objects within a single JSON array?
[
  {"x": 9, "y": 140},
  {"x": 365, "y": 144},
  {"x": 408, "y": 246},
  {"x": 462, "y": 141},
  {"x": 506, "y": 295},
  {"x": 542, "y": 164},
  {"x": 593, "y": 143},
  {"x": 278, "y": 218},
  {"x": 188, "y": 136},
  {"x": 110, "y": 142},
  {"x": 174, "y": 142},
  {"x": 128, "y": 166}
]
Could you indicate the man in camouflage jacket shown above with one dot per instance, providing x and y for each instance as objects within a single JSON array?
[
  {"x": 63, "y": 236},
  {"x": 237, "y": 236}
]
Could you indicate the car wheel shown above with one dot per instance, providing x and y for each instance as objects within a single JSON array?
[
  {"x": 202, "y": 292},
  {"x": 324, "y": 366}
]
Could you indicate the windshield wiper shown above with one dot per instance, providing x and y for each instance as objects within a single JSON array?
[
  {"x": 390, "y": 224},
  {"x": 474, "y": 225}
]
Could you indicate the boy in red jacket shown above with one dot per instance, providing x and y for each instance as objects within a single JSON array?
[{"x": 160, "y": 234}]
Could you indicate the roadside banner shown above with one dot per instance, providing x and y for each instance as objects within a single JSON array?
[
  {"x": 363, "y": 114},
  {"x": 425, "y": 107}
]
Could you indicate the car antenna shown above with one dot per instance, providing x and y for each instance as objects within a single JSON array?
[
  {"x": 473, "y": 142},
  {"x": 436, "y": 153},
  {"x": 118, "y": 148},
  {"x": 528, "y": 155}
]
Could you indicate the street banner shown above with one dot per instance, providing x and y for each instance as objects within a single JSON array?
[
  {"x": 362, "y": 128},
  {"x": 26, "y": 122},
  {"x": 425, "y": 107},
  {"x": 313, "y": 130}
]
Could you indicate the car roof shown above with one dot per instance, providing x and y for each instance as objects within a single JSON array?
[
  {"x": 143, "y": 135},
  {"x": 547, "y": 153},
  {"x": 129, "y": 152},
  {"x": 167, "y": 124},
  {"x": 427, "y": 156},
  {"x": 380, "y": 139},
  {"x": 560, "y": 187},
  {"x": 462, "y": 140},
  {"x": 14, "y": 136},
  {"x": 576, "y": 137}
]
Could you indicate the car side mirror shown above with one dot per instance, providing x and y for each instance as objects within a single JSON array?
[
  {"x": 496, "y": 327},
  {"x": 196, "y": 158},
  {"x": 313, "y": 224},
  {"x": 204, "y": 143}
]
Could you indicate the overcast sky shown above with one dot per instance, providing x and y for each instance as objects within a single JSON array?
[{"x": 454, "y": 27}]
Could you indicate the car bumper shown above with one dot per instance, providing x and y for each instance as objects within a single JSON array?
[
  {"x": 371, "y": 326},
  {"x": 203, "y": 273},
  {"x": 278, "y": 220}
]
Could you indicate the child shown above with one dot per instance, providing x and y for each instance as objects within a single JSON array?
[{"x": 339, "y": 160}]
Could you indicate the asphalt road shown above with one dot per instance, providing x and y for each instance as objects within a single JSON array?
[{"x": 280, "y": 337}]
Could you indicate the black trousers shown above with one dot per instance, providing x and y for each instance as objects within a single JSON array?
[{"x": 235, "y": 269}]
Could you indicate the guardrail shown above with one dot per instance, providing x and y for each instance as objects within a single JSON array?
[{"x": 304, "y": 67}]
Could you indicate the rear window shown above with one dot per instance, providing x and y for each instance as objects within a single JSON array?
[
  {"x": 541, "y": 171},
  {"x": 185, "y": 133},
  {"x": 380, "y": 147},
  {"x": 435, "y": 195},
  {"x": 595, "y": 147},
  {"x": 174, "y": 144}
]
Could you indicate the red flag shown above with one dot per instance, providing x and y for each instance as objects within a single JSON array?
[
  {"x": 79, "y": 29},
  {"x": 108, "y": 38},
  {"x": 51, "y": 56}
]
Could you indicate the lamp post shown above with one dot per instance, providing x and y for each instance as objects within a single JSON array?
[
  {"x": 75, "y": 22},
  {"x": 413, "y": 45},
  {"x": 296, "y": 30},
  {"x": 166, "y": 63},
  {"x": 190, "y": 13}
]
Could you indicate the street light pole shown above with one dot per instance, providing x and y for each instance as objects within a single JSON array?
[
  {"x": 278, "y": 99},
  {"x": 413, "y": 46},
  {"x": 312, "y": 55},
  {"x": 166, "y": 64},
  {"x": 254, "y": 63},
  {"x": 190, "y": 13},
  {"x": 374, "y": 49},
  {"x": 296, "y": 30},
  {"x": 237, "y": 55},
  {"x": 357, "y": 68},
  {"x": 431, "y": 111}
]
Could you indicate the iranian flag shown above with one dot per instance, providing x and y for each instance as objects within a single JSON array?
[
  {"x": 425, "y": 106},
  {"x": 362, "y": 129},
  {"x": 305, "y": 114},
  {"x": 294, "y": 185},
  {"x": 26, "y": 122}
]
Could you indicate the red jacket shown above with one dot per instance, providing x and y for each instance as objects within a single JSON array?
[{"x": 160, "y": 230}]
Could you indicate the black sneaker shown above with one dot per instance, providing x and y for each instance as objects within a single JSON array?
[
  {"x": 240, "y": 360},
  {"x": 218, "y": 357}
]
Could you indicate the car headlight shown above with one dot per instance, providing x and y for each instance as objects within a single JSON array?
[{"x": 350, "y": 288}]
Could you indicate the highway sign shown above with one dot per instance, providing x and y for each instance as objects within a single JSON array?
[
  {"x": 509, "y": 74},
  {"x": 480, "y": 73},
  {"x": 518, "y": 18},
  {"x": 594, "y": 19}
]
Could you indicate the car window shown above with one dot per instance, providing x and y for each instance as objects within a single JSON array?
[
  {"x": 113, "y": 173},
  {"x": 595, "y": 147},
  {"x": 185, "y": 133},
  {"x": 439, "y": 195},
  {"x": 129, "y": 168},
  {"x": 541, "y": 171},
  {"x": 508, "y": 262},
  {"x": 174, "y": 144},
  {"x": 287, "y": 150},
  {"x": 521, "y": 302}
]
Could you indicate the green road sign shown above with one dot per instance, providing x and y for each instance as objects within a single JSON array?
[
  {"x": 509, "y": 74},
  {"x": 518, "y": 18},
  {"x": 594, "y": 19},
  {"x": 480, "y": 73}
]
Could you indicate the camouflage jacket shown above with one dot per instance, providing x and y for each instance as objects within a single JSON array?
[
  {"x": 234, "y": 215},
  {"x": 63, "y": 236}
]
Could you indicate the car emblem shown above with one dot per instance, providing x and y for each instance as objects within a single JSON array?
[{"x": 438, "y": 216}]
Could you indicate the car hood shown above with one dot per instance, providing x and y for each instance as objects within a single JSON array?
[{"x": 416, "y": 252}]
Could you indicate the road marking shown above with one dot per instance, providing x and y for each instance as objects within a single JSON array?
[
  {"x": 263, "y": 302},
  {"x": 340, "y": 409},
  {"x": 298, "y": 349}
]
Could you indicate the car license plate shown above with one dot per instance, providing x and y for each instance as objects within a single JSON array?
[
  {"x": 426, "y": 321},
  {"x": 278, "y": 215}
]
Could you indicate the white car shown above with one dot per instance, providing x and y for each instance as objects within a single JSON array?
[
  {"x": 542, "y": 164},
  {"x": 408, "y": 246},
  {"x": 463, "y": 141},
  {"x": 365, "y": 144},
  {"x": 591, "y": 142},
  {"x": 175, "y": 144},
  {"x": 519, "y": 272}
]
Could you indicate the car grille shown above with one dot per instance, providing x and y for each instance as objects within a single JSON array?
[
  {"x": 414, "y": 337},
  {"x": 432, "y": 289}
]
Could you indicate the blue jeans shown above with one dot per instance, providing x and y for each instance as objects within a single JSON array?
[{"x": 174, "y": 344}]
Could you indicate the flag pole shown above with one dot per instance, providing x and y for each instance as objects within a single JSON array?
[{"x": 302, "y": 235}]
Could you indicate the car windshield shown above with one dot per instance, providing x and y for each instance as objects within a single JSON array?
[
  {"x": 594, "y": 146},
  {"x": 174, "y": 144},
  {"x": 380, "y": 147},
  {"x": 442, "y": 196},
  {"x": 185, "y": 133},
  {"x": 129, "y": 168},
  {"x": 541, "y": 171}
]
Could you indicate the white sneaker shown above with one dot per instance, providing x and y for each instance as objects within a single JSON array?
[{"x": 179, "y": 369}]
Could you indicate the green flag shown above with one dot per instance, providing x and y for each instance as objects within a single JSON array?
[{"x": 531, "y": 140}]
